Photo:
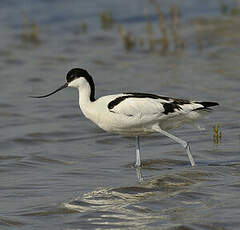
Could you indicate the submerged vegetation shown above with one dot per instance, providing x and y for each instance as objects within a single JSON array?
[
  {"x": 162, "y": 32},
  {"x": 168, "y": 37},
  {"x": 162, "y": 42}
]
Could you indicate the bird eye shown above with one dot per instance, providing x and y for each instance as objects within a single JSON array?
[{"x": 71, "y": 78}]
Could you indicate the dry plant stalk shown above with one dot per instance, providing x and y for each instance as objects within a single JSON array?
[
  {"x": 175, "y": 16},
  {"x": 129, "y": 41},
  {"x": 84, "y": 27},
  {"x": 217, "y": 135},
  {"x": 31, "y": 32},
  {"x": 162, "y": 25},
  {"x": 106, "y": 19},
  {"x": 149, "y": 31}
]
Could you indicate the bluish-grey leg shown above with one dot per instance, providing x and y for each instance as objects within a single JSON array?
[
  {"x": 180, "y": 141},
  {"x": 138, "y": 156}
]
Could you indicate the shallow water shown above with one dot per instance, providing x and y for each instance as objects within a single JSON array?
[{"x": 60, "y": 171}]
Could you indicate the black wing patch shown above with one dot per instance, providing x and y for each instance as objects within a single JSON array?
[
  {"x": 154, "y": 96},
  {"x": 149, "y": 95},
  {"x": 115, "y": 102},
  {"x": 206, "y": 105},
  {"x": 118, "y": 100},
  {"x": 168, "y": 107},
  {"x": 171, "y": 106}
]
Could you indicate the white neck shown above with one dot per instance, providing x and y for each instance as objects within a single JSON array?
[
  {"x": 84, "y": 95},
  {"x": 86, "y": 92},
  {"x": 85, "y": 102}
]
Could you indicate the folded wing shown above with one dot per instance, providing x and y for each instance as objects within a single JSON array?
[{"x": 141, "y": 104}]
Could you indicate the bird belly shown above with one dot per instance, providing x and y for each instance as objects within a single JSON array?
[{"x": 126, "y": 125}]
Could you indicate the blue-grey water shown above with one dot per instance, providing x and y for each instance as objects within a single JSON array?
[{"x": 60, "y": 171}]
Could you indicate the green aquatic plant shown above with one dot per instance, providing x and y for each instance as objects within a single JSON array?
[
  {"x": 217, "y": 134},
  {"x": 229, "y": 9},
  {"x": 223, "y": 7}
]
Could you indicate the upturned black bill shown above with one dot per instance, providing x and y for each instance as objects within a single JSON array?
[{"x": 60, "y": 88}]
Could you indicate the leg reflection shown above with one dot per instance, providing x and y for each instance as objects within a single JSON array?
[{"x": 139, "y": 174}]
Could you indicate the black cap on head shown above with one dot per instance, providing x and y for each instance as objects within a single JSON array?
[
  {"x": 72, "y": 75},
  {"x": 76, "y": 73}
]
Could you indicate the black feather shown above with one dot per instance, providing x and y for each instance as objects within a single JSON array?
[
  {"x": 175, "y": 102},
  {"x": 171, "y": 107},
  {"x": 206, "y": 105},
  {"x": 77, "y": 73}
]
